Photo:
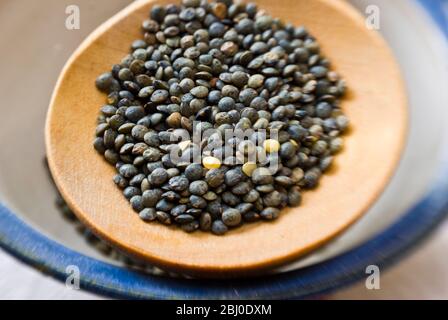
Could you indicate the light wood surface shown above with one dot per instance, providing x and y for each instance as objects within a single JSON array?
[{"x": 376, "y": 106}]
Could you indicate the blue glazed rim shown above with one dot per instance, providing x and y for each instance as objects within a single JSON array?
[{"x": 52, "y": 258}]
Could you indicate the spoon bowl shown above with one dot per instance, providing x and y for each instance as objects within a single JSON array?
[{"x": 375, "y": 105}]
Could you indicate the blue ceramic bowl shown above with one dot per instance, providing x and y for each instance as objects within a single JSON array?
[{"x": 386, "y": 247}]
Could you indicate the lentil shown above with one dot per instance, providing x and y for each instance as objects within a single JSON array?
[
  {"x": 228, "y": 66},
  {"x": 219, "y": 228},
  {"x": 271, "y": 146},
  {"x": 211, "y": 163},
  {"x": 231, "y": 217}
]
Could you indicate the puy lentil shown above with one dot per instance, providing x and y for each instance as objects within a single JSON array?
[
  {"x": 210, "y": 196},
  {"x": 198, "y": 202},
  {"x": 270, "y": 213},
  {"x": 128, "y": 170},
  {"x": 242, "y": 188},
  {"x": 129, "y": 192},
  {"x": 215, "y": 177},
  {"x": 205, "y": 221},
  {"x": 262, "y": 176},
  {"x": 251, "y": 196},
  {"x": 148, "y": 214},
  {"x": 179, "y": 183},
  {"x": 231, "y": 217},
  {"x": 273, "y": 199},
  {"x": 211, "y": 163},
  {"x": 219, "y": 228},
  {"x": 233, "y": 177},
  {"x": 248, "y": 168},
  {"x": 228, "y": 66},
  {"x": 171, "y": 196},
  {"x": 137, "y": 203},
  {"x": 158, "y": 177},
  {"x": 198, "y": 187},
  {"x": 230, "y": 199},
  {"x": 163, "y": 217},
  {"x": 194, "y": 172}
]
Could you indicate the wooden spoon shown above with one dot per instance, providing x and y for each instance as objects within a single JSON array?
[{"x": 376, "y": 106}]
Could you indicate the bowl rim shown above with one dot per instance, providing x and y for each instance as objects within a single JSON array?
[{"x": 47, "y": 255}]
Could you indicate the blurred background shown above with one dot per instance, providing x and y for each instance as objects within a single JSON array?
[{"x": 36, "y": 44}]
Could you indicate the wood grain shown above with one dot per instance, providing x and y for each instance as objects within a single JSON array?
[{"x": 376, "y": 106}]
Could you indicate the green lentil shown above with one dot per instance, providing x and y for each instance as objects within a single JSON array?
[{"x": 228, "y": 66}]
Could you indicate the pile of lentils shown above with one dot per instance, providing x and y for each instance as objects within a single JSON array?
[{"x": 225, "y": 65}]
